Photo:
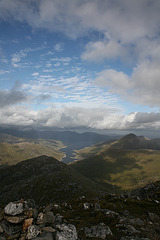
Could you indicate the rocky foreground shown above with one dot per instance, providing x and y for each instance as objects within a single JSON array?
[
  {"x": 44, "y": 199},
  {"x": 125, "y": 217}
]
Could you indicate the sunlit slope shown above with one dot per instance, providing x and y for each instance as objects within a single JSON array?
[
  {"x": 130, "y": 141},
  {"x": 93, "y": 150},
  {"x": 124, "y": 168},
  {"x": 14, "y": 149}
]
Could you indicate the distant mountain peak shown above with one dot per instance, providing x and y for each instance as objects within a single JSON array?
[{"x": 130, "y": 135}]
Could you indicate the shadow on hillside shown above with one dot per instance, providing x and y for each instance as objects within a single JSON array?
[{"x": 101, "y": 167}]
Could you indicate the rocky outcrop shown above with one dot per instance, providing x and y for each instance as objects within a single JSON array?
[
  {"x": 66, "y": 232},
  {"x": 19, "y": 221},
  {"x": 151, "y": 191},
  {"x": 100, "y": 231},
  {"x": 109, "y": 217}
]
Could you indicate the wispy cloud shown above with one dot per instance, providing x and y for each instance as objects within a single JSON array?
[
  {"x": 3, "y": 71},
  {"x": 77, "y": 90},
  {"x": 58, "y": 47},
  {"x": 35, "y": 74},
  {"x": 17, "y": 57}
]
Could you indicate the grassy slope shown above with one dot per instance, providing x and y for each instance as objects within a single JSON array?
[
  {"x": 126, "y": 169},
  {"x": 93, "y": 150},
  {"x": 14, "y": 149}
]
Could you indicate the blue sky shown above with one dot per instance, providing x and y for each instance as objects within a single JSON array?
[{"x": 80, "y": 64}]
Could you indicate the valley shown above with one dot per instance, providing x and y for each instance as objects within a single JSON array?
[
  {"x": 124, "y": 163},
  {"x": 59, "y": 144},
  {"x": 110, "y": 191},
  {"x": 15, "y": 149}
]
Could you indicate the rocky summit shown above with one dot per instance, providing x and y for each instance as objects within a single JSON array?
[{"x": 110, "y": 217}]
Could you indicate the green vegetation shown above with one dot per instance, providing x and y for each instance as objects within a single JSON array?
[
  {"x": 125, "y": 169},
  {"x": 14, "y": 149}
]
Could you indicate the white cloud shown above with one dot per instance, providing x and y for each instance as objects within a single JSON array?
[
  {"x": 117, "y": 82},
  {"x": 127, "y": 26},
  {"x": 77, "y": 89},
  {"x": 3, "y": 71},
  {"x": 35, "y": 74},
  {"x": 48, "y": 65},
  {"x": 16, "y": 58},
  {"x": 142, "y": 87},
  {"x": 66, "y": 115},
  {"x": 57, "y": 64},
  {"x": 119, "y": 29},
  {"x": 105, "y": 49},
  {"x": 79, "y": 116},
  {"x": 20, "y": 116},
  {"x": 58, "y": 47},
  {"x": 126, "y": 20},
  {"x": 62, "y": 59}
]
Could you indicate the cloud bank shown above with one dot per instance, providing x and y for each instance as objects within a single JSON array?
[
  {"x": 72, "y": 117},
  {"x": 119, "y": 18}
]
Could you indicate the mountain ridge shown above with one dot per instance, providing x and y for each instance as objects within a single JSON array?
[
  {"x": 71, "y": 140},
  {"x": 127, "y": 163},
  {"x": 43, "y": 179}
]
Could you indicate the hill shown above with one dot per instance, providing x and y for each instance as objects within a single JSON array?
[
  {"x": 43, "y": 179},
  {"x": 130, "y": 142},
  {"x": 43, "y": 198},
  {"x": 71, "y": 139},
  {"x": 15, "y": 149},
  {"x": 127, "y": 163}
]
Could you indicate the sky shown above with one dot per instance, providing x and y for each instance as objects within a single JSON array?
[{"x": 80, "y": 64}]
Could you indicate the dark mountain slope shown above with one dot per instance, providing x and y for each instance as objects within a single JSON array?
[
  {"x": 131, "y": 141},
  {"x": 43, "y": 179},
  {"x": 126, "y": 163}
]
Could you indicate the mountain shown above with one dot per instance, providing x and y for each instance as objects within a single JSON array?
[
  {"x": 14, "y": 149},
  {"x": 131, "y": 141},
  {"x": 127, "y": 163},
  {"x": 67, "y": 137},
  {"x": 71, "y": 139},
  {"x": 43, "y": 179}
]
